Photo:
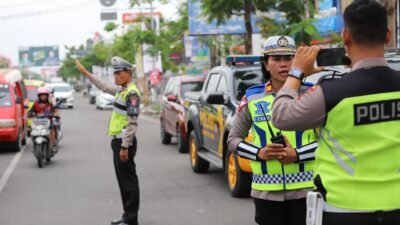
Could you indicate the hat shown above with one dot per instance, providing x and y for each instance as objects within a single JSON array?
[
  {"x": 279, "y": 45},
  {"x": 120, "y": 64}
]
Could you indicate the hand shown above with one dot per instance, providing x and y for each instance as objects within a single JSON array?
[
  {"x": 81, "y": 68},
  {"x": 291, "y": 156},
  {"x": 305, "y": 58},
  {"x": 123, "y": 155},
  {"x": 272, "y": 152}
]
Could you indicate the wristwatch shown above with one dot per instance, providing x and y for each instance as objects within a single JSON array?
[{"x": 296, "y": 73}]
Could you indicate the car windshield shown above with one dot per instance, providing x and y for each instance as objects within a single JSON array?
[
  {"x": 5, "y": 98},
  {"x": 32, "y": 92},
  {"x": 191, "y": 86},
  {"x": 61, "y": 88},
  {"x": 246, "y": 79}
]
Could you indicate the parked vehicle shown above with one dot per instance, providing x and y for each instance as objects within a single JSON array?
[
  {"x": 40, "y": 134},
  {"x": 172, "y": 115},
  {"x": 209, "y": 115},
  {"x": 64, "y": 94},
  {"x": 13, "y": 109},
  {"x": 104, "y": 100}
]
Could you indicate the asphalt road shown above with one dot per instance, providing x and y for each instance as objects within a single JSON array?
[{"x": 79, "y": 185}]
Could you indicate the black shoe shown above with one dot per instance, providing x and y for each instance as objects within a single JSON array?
[{"x": 117, "y": 222}]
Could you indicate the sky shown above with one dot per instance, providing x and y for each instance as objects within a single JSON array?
[{"x": 25, "y": 23}]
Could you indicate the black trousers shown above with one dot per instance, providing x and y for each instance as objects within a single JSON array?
[
  {"x": 376, "y": 218},
  {"x": 290, "y": 212},
  {"x": 127, "y": 181}
]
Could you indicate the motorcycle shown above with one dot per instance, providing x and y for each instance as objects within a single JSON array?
[{"x": 40, "y": 134}]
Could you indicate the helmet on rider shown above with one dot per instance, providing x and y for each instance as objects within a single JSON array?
[{"x": 43, "y": 94}]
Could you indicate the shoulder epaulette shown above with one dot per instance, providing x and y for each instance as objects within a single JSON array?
[{"x": 256, "y": 89}]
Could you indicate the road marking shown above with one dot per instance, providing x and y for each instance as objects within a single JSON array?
[{"x": 10, "y": 169}]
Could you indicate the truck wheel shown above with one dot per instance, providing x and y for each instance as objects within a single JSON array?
[
  {"x": 198, "y": 164},
  {"x": 239, "y": 182},
  {"x": 182, "y": 145},
  {"x": 165, "y": 137}
]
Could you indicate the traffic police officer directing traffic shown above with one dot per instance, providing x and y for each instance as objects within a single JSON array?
[
  {"x": 122, "y": 129},
  {"x": 282, "y": 169},
  {"x": 358, "y": 159}
]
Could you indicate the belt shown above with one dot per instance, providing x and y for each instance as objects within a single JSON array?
[
  {"x": 333, "y": 209},
  {"x": 118, "y": 136}
]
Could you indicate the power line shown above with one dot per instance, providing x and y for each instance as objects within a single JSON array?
[
  {"x": 49, "y": 11},
  {"x": 24, "y": 4}
]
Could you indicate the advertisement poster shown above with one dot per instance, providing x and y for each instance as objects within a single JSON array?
[
  {"x": 198, "y": 54},
  {"x": 39, "y": 56}
]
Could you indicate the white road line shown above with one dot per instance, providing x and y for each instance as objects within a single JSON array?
[{"x": 10, "y": 169}]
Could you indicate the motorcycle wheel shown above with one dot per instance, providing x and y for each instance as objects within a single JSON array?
[{"x": 39, "y": 151}]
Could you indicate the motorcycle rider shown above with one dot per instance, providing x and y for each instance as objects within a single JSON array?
[{"x": 43, "y": 107}]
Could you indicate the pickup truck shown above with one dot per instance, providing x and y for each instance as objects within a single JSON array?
[{"x": 208, "y": 117}]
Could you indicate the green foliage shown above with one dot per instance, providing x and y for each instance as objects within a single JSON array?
[{"x": 111, "y": 26}]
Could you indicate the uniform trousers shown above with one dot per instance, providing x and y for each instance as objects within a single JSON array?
[
  {"x": 289, "y": 212},
  {"x": 127, "y": 181},
  {"x": 374, "y": 218}
]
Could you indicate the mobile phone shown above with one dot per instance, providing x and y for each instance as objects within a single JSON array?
[{"x": 332, "y": 57}]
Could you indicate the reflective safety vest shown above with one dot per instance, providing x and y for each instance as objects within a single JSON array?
[
  {"x": 119, "y": 118},
  {"x": 358, "y": 158},
  {"x": 271, "y": 175}
]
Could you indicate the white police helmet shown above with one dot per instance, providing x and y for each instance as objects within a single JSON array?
[
  {"x": 279, "y": 45},
  {"x": 120, "y": 64}
]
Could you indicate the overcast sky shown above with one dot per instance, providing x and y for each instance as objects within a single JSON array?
[{"x": 25, "y": 23}]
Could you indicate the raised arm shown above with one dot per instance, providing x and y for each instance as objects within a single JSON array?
[{"x": 99, "y": 83}]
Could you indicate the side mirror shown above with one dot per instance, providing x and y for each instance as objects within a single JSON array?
[
  {"x": 215, "y": 98},
  {"x": 171, "y": 98},
  {"x": 18, "y": 100}
]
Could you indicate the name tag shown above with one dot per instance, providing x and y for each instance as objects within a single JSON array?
[{"x": 375, "y": 112}]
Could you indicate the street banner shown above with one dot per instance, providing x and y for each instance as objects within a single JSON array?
[{"x": 198, "y": 54}]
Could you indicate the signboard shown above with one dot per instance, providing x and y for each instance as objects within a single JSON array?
[
  {"x": 39, "y": 56},
  {"x": 198, "y": 24},
  {"x": 329, "y": 19},
  {"x": 105, "y": 16},
  {"x": 198, "y": 54}
]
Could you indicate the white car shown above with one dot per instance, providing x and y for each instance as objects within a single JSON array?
[
  {"x": 104, "y": 100},
  {"x": 64, "y": 95}
]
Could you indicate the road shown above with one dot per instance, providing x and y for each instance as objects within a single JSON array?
[{"x": 79, "y": 185}]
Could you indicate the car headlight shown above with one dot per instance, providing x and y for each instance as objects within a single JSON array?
[{"x": 8, "y": 123}]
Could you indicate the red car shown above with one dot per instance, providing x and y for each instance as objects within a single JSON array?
[
  {"x": 173, "y": 114},
  {"x": 13, "y": 109}
]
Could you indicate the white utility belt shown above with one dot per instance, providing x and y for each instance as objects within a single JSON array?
[{"x": 316, "y": 206}]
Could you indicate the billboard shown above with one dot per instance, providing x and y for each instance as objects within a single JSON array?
[
  {"x": 39, "y": 56},
  {"x": 198, "y": 24},
  {"x": 198, "y": 54}
]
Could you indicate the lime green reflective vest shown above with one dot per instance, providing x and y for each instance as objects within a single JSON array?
[
  {"x": 119, "y": 118},
  {"x": 358, "y": 158},
  {"x": 271, "y": 175}
]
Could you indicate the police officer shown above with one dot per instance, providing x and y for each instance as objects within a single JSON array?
[
  {"x": 122, "y": 130},
  {"x": 282, "y": 172},
  {"x": 358, "y": 159}
]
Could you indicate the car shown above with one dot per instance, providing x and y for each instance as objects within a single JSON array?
[
  {"x": 13, "y": 109},
  {"x": 64, "y": 95},
  {"x": 172, "y": 117},
  {"x": 209, "y": 115},
  {"x": 31, "y": 87},
  {"x": 104, "y": 100}
]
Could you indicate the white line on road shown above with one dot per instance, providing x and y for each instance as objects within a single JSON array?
[{"x": 10, "y": 169}]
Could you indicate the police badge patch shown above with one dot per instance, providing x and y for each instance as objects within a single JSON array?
[
  {"x": 133, "y": 105},
  {"x": 283, "y": 42}
]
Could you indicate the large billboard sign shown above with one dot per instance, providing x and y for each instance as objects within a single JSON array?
[
  {"x": 39, "y": 56},
  {"x": 198, "y": 24},
  {"x": 198, "y": 54}
]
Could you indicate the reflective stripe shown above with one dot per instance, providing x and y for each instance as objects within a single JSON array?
[
  {"x": 307, "y": 147},
  {"x": 306, "y": 156},
  {"x": 247, "y": 147},
  {"x": 247, "y": 155},
  {"x": 278, "y": 178},
  {"x": 340, "y": 148},
  {"x": 119, "y": 111},
  {"x": 255, "y": 97},
  {"x": 339, "y": 160}
]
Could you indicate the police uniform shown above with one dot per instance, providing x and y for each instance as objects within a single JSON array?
[
  {"x": 122, "y": 129},
  {"x": 358, "y": 159},
  {"x": 279, "y": 190}
]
